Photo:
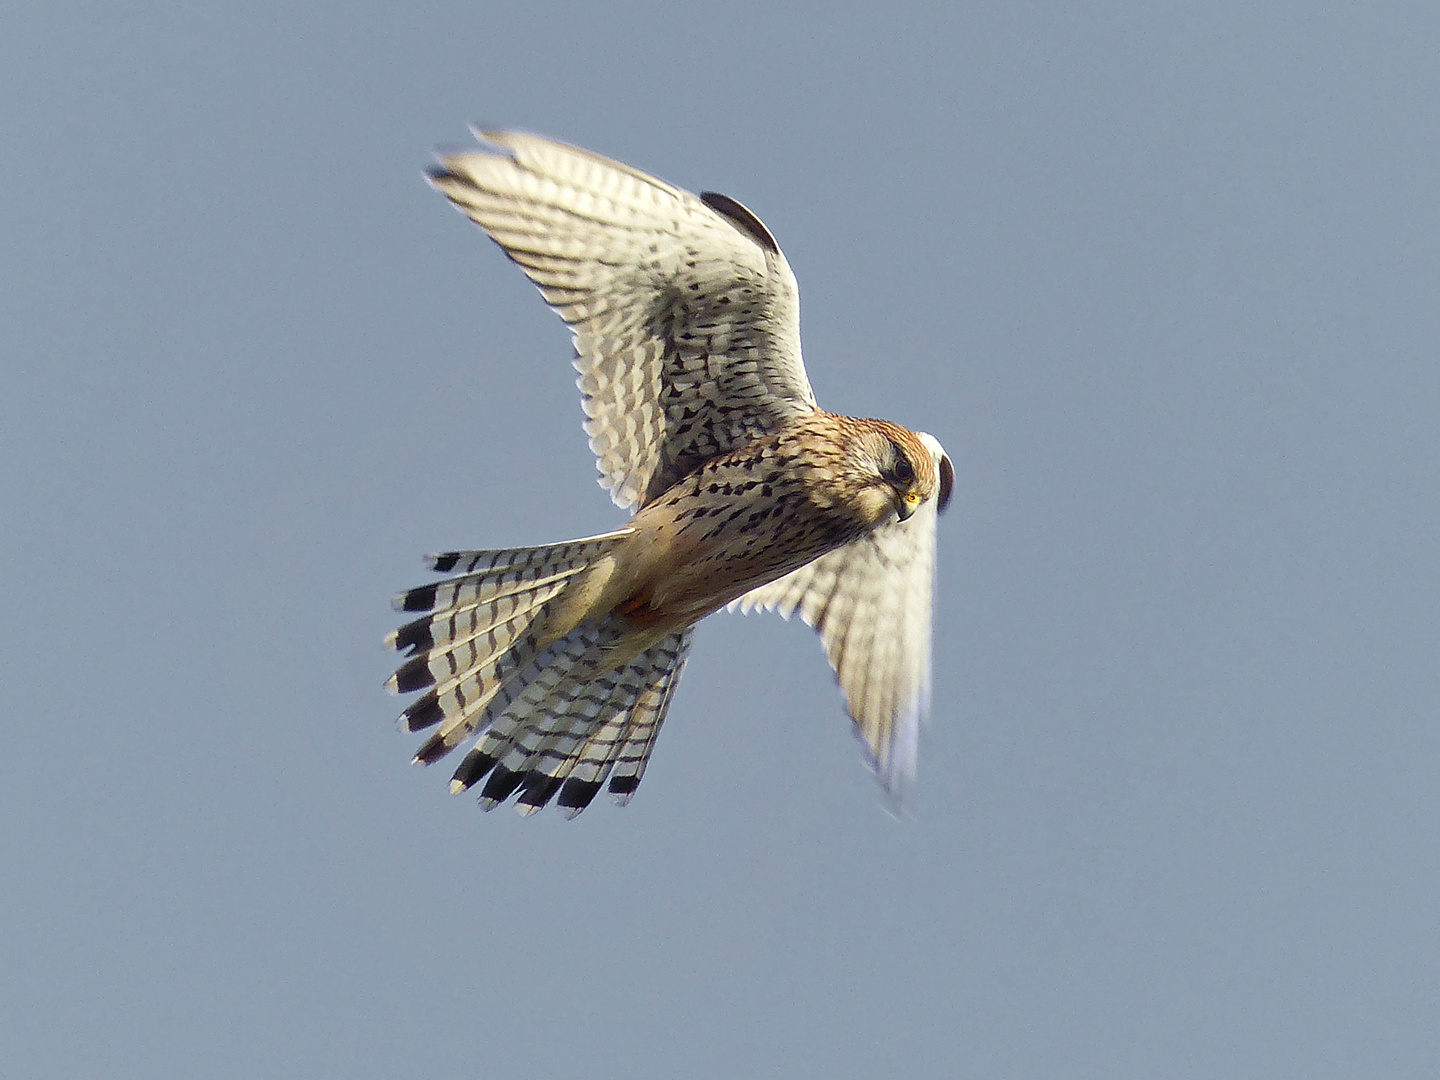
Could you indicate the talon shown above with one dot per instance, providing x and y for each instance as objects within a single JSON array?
[{"x": 638, "y": 610}]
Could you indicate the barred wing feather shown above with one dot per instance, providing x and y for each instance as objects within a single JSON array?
[
  {"x": 871, "y": 602},
  {"x": 685, "y": 315}
]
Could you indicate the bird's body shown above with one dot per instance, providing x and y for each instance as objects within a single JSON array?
[
  {"x": 745, "y": 492},
  {"x": 745, "y": 518}
]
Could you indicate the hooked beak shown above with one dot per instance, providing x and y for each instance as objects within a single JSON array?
[{"x": 907, "y": 504}]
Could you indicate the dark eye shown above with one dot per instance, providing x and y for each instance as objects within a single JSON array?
[{"x": 903, "y": 471}]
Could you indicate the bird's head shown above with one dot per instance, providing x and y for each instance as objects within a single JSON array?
[{"x": 898, "y": 471}]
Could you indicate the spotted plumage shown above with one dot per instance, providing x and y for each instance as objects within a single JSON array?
[{"x": 561, "y": 661}]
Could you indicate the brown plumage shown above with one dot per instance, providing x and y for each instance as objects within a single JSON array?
[
  {"x": 564, "y": 658},
  {"x": 750, "y": 516}
]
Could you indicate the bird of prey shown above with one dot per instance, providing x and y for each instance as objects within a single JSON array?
[{"x": 686, "y": 320}]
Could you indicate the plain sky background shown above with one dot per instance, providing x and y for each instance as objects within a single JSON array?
[{"x": 1162, "y": 277}]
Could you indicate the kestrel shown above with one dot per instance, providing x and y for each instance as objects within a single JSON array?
[{"x": 744, "y": 492}]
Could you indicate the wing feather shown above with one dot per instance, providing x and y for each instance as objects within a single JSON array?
[
  {"x": 871, "y": 602},
  {"x": 685, "y": 315}
]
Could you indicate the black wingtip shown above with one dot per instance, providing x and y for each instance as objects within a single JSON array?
[
  {"x": 501, "y": 785},
  {"x": 423, "y": 713},
  {"x": 420, "y": 599},
  {"x": 472, "y": 770},
  {"x": 538, "y": 789},
  {"x": 947, "y": 482},
  {"x": 739, "y": 216},
  {"x": 624, "y": 785},
  {"x": 414, "y": 636},
  {"x": 414, "y": 675},
  {"x": 576, "y": 795},
  {"x": 434, "y": 749},
  {"x": 444, "y": 562}
]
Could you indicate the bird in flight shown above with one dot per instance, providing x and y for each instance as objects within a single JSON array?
[{"x": 563, "y": 659}]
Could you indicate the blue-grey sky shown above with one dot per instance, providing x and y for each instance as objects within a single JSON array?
[{"x": 1162, "y": 277}]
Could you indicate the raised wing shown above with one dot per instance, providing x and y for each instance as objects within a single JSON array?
[
  {"x": 871, "y": 602},
  {"x": 685, "y": 314}
]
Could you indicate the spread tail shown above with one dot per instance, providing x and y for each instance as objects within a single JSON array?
[{"x": 555, "y": 716}]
